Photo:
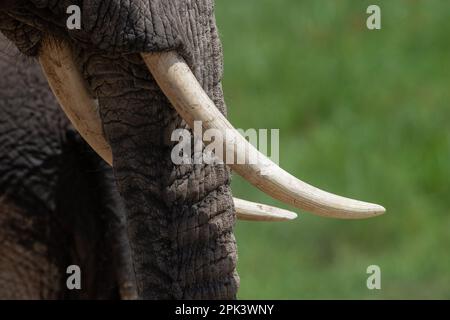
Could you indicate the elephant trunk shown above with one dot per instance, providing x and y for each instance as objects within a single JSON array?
[{"x": 180, "y": 218}]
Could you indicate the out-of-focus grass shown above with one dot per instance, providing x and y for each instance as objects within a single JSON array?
[{"x": 363, "y": 114}]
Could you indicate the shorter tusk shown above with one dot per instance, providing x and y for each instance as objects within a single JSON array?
[
  {"x": 247, "y": 210},
  {"x": 71, "y": 91}
]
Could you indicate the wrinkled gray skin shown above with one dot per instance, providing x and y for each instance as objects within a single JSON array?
[
  {"x": 180, "y": 218},
  {"x": 59, "y": 205}
]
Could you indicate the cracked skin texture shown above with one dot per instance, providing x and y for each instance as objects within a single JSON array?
[
  {"x": 58, "y": 203},
  {"x": 28, "y": 175},
  {"x": 180, "y": 218}
]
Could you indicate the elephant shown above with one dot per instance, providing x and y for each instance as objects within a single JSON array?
[
  {"x": 132, "y": 74},
  {"x": 55, "y": 183}
]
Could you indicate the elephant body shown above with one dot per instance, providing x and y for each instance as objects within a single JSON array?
[
  {"x": 180, "y": 218},
  {"x": 59, "y": 205}
]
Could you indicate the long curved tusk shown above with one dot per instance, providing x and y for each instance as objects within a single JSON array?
[
  {"x": 66, "y": 82},
  {"x": 179, "y": 84}
]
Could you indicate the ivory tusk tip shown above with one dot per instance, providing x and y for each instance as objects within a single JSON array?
[
  {"x": 371, "y": 210},
  {"x": 378, "y": 210},
  {"x": 290, "y": 217},
  {"x": 287, "y": 215}
]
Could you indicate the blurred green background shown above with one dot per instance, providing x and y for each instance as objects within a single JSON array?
[{"x": 361, "y": 113}]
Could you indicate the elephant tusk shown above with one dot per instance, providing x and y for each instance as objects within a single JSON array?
[
  {"x": 66, "y": 82},
  {"x": 179, "y": 84},
  {"x": 251, "y": 211}
]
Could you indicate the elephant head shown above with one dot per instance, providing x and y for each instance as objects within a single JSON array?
[{"x": 134, "y": 72}]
